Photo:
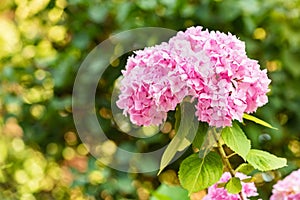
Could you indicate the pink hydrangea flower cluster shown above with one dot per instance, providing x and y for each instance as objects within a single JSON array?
[
  {"x": 220, "y": 193},
  {"x": 226, "y": 82},
  {"x": 151, "y": 87},
  {"x": 212, "y": 67},
  {"x": 288, "y": 188}
]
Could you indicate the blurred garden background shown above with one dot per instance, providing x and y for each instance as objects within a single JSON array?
[{"x": 43, "y": 43}]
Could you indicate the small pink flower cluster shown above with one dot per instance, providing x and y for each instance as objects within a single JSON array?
[
  {"x": 220, "y": 193},
  {"x": 212, "y": 67},
  {"x": 288, "y": 188}
]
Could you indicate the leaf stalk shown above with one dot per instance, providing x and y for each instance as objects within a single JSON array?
[{"x": 226, "y": 161}]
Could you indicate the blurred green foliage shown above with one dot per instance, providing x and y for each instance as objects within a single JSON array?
[{"x": 42, "y": 44}]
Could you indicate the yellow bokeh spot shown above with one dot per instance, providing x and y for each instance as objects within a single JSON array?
[
  {"x": 95, "y": 177},
  {"x": 57, "y": 33},
  {"x": 68, "y": 153},
  {"x": 40, "y": 74},
  {"x": 13, "y": 107},
  {"x": 30, "y": 28},
  {"x": 55, "y": 14},
  {"x": 45, "y": 49},
  {"x": 28, "y": 51},
  {"x": 82, "y": 150},
  {"x": 294, "y": 146},
  {"x": 22, "y": 11},
  {"x": 33, "y": 185},
  {"x": 27, "y": 8},
  {"x": 18, "y": 144},
  {"x": 37, "y": 5},
  {"x": 26, "y": 79},
  {"x": 105, "y": 113},
  {"x": 9, "y": 38},
  {"x": 273, "y": 65},
  {"x": 172, "y": 133},
  {"x": 169, "y": 177},
  {"x": 109, "y": 147},
  {"x": 37, "y": 111},
  {"x": 150, "y": 130},
  {"x": 167, "y": 127},
  {"x": 21, "y": 176},
  {"x": 48, "y": 83},
  {"x": 33, "y": 95},
  {"x": 47, "y": 183},
  {"x": 70, "y": 138},
  {"x": 47, "y": 94},
  {"x": 27, "y": 197},
  {"x": 54, "y": 171},
  {"x": 142, "y": 193},
  {"x": 52, "y": 148},
  {"x": 61, "y": 3},
  {"x": 36, "y": 95},
  {"x": 34, "y": 167},
  {"x": 259, "y": 34},
  {"x": 76, "y": 194}
]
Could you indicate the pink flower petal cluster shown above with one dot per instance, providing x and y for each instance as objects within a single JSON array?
[
  {"x": 212, "y": 67},
  {"x": 150, "y": 87},
  {"x": 220, "y": 193},
  {"x": 226, "y": 82},
  {"x": 288, "y": 188}
]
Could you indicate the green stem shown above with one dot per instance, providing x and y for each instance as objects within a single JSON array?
[
  {"x": 225, "y": 159},
  {"x": 226, "y": 162},
  {"x": 229, "y": 156}
]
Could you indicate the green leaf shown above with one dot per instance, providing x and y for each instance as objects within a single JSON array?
[
  {"x": 201, "y": 133},
  {"x": 210, "y": 139},
  {"x": 235, "y": 139},
  {"x": 248, "y": 180},
  {"x": 167, "y": 192},
  {"x": 184, "y": 143},
  {"x": 196, "y": 173},
  {"x": 245, "y": 168},
  {"x": 258, "y": 121},
  {"x": 234, "y": 185},
  {"x": 264, "y": 161},
  {"x": 186, "y": 126}
]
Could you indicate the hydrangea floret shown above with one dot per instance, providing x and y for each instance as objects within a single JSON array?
[
  {"x": 288, "y": 188},
  {"x": 220, "y": 193}
]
